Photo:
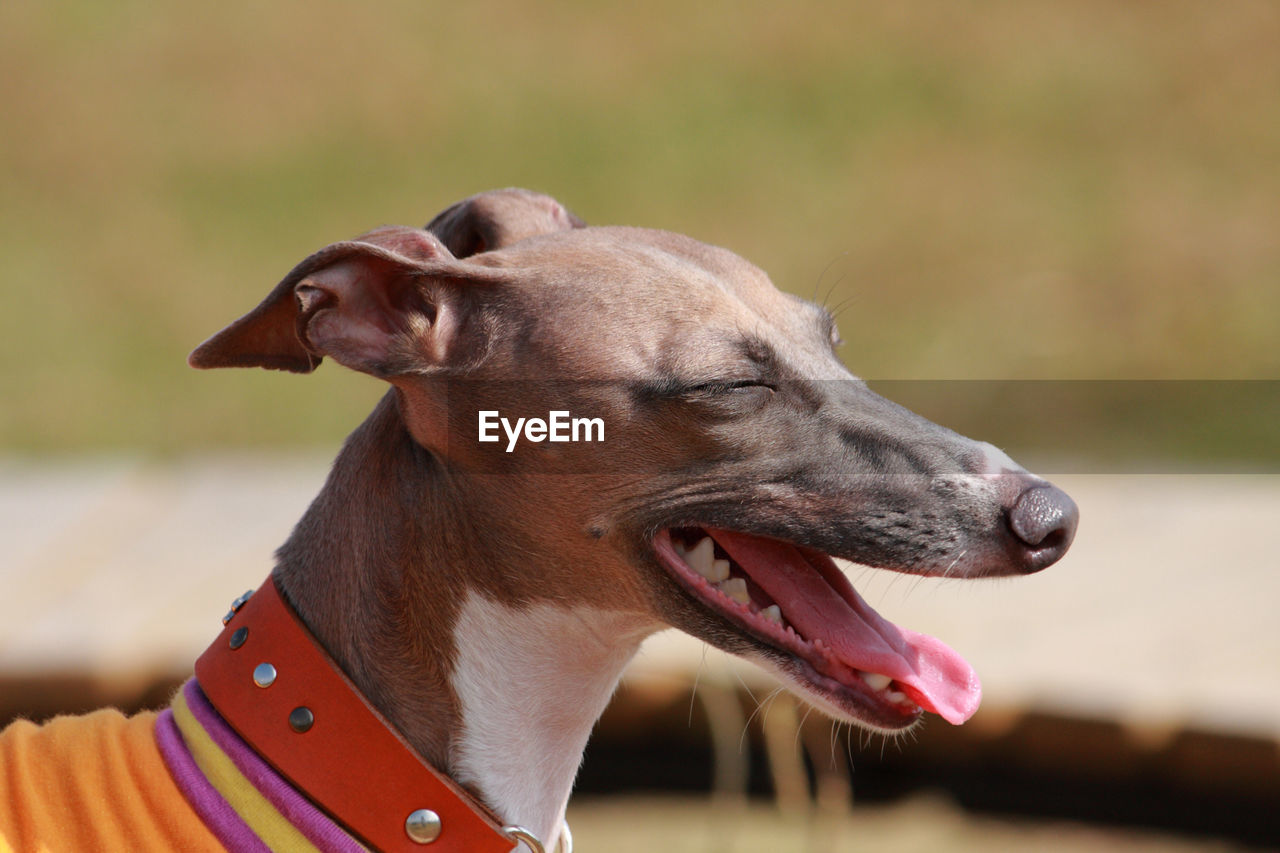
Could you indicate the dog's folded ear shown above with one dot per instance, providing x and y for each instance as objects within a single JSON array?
[
  {"x": 379, "y": 304},
  {"x": 384, "y": 304},
  {"x": 499, "y": 218}
]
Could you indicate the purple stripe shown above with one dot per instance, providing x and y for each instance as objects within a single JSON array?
[
  {"x": 216, "y": 812},
  {"x": 319, "y": 829}
]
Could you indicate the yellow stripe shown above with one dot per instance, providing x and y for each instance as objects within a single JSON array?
[{"x": 254, "y": 809}]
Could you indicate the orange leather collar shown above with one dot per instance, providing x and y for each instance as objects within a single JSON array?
[{"x": 338, "y": 750}]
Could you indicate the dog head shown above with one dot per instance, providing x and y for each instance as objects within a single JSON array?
[{"x": 737, "y": 455}]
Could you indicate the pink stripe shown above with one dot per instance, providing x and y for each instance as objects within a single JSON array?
[
  {"x": 216, "y": 812},
  {"x": 319, "y": 829}
]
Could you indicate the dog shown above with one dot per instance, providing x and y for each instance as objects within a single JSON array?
[{"x": 591, "y": 434}]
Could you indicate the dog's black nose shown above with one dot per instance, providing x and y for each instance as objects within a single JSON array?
[{"x": 1044, "y": 519}]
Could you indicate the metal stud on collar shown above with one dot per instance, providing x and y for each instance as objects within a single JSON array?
[
  {"x": 264, "y": 674},
  {"x": 423, "y": 826},
  {"x": 301, "y": 719},
  {"x": 236, "y": 605}
]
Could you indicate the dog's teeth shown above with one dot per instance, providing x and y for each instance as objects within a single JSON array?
[
  {"x": 876, "y": 681},
  {"x": 896, "y": 696},
  {"x": 701, "y": 556},
  {"x": 773, "y": 613},
  {"x": 678, "y": 547},
  {"x": 735, "y": 588},
  {"x": 719, "y": 571}
]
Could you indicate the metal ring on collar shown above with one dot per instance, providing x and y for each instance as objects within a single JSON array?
[{"x": 519, "y": 834}]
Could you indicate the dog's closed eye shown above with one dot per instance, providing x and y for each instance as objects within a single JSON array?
[
  {"x": 730, "y": 386},
  {"x": 732, "y": 395}
]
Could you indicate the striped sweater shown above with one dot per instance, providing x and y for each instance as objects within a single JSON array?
[{"x": 179, "y": 780}]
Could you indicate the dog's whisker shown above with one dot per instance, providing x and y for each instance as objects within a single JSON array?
[
  {"x": 818, "y": 284},
  {"x": 697, "y": 677},
  {"x": 762, "y": 707},
  {"x": 746, "y": 726},
  {"x": 954, "y": 563},
  {"x": 800, "y": 726},
  {"x": 737, "y": 675},
  {"x": 840, "y": 307}
]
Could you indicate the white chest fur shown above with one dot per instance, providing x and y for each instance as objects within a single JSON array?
[{"x": 532, "y": 681}]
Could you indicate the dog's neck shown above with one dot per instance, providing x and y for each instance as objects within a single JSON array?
[{"x": 494, "y": 688}]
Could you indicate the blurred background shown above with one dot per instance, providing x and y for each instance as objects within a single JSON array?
[{"x": 1054, "y": 226}]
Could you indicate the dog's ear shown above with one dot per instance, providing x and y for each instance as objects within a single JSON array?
[
  {"x": 499, "y": 218},
  {"x": 382, "y": 304}
]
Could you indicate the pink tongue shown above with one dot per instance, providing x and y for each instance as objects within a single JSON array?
[{"x": 821, "y": 604}]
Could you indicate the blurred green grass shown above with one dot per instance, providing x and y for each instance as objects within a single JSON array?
[{"x": 1007, "y": 190}]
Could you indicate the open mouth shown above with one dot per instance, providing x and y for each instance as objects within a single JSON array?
[{"x": 815, "y": 627}]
